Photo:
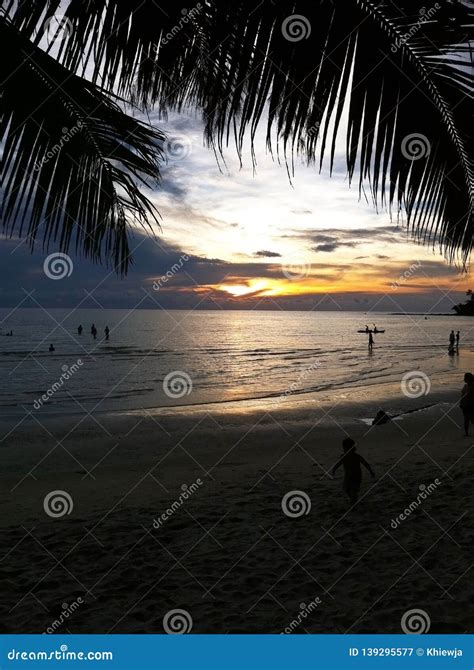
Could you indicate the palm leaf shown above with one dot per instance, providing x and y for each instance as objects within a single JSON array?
[
  {"x": 401, "y": 69},
  {"x": 72, "y": 159}
]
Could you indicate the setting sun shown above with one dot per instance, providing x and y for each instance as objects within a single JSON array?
[{"x": 252, "y": 286}]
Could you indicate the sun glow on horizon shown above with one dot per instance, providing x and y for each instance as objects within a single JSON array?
[{"x": 260, "y": 286}]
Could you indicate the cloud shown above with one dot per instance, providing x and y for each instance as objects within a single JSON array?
[
  {"x": 349, "y": 236},
  {"x": 267, "y": 254},
  {"x": 332, "y": 246}
]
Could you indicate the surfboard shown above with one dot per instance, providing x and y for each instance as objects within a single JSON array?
[{"x": 374, "y": 332}]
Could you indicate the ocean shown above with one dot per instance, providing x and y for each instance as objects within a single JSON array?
[{"x": 160, "y": 359}]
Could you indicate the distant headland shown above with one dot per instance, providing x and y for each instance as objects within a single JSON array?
[{"x": 465, "y": 308}]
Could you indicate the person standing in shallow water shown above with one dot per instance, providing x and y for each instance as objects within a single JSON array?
[
  {"x": 107, "y": 332},
  {"x": 457, "y": 339},
  {"x": 79, "y": 330},
  {"x": 93, "y": 331},
  {"x": 371, "y": 341},
  {"x": 452, "y": 339},
  {"x": 467, "y": 401},
  {"x": 352, "y": 461}
]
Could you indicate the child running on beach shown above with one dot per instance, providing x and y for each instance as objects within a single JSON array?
[{"x": 351, "y": 461}]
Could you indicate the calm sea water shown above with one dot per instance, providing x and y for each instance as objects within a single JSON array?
[{"x": 156, "y": 358}]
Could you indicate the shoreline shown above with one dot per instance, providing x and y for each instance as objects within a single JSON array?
[{"x": 373, "y": 397}]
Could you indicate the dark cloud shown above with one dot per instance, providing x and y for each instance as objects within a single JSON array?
[
  {"x": 332, "y": 246},
  {"x": 191, "y": 281},
  {"x": 267, "y": 254},
  {"x": 348, "y": 236}
]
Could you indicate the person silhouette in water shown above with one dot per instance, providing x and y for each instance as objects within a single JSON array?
[
  {"x": 467, "y": 401},
  {"x": 79, "y": 330},
  {"x": 107, "y": 332},
  {"x": 93, "y": 331},
  {"x": 457, "y": 340},
  {"x": 371, "y": 341},
  {"x": 452, "y": 339},
  {"x": 51, "y": 348},
  {"x": 351, "y": 461}
]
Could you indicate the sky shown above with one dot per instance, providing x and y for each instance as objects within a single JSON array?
[{"x": 237, "y": 237}]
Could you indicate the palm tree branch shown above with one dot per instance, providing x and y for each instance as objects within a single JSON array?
[
  {"x": 72, "y": 159},
  {"x": 397, "y": 69}
]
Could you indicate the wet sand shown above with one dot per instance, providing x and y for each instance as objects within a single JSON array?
[{"x": 138, "y": 544}]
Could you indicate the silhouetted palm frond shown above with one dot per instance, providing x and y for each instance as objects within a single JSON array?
[
  {"x": 403, "y": 72},
  {"x": 71, "y": 157}
]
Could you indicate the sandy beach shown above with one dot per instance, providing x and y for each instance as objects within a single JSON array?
[{"x": 183, "y": 510}]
